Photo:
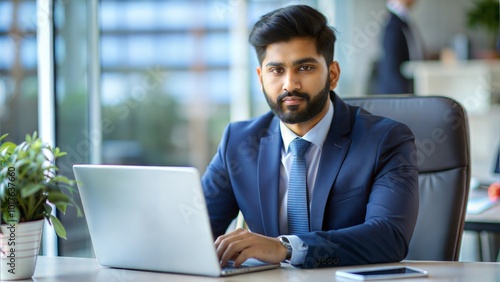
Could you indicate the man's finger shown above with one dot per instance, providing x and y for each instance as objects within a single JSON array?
[{"x": 235, "y": 248}]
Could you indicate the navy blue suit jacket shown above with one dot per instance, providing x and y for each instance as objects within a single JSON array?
[
  {"x": 364, "y": 205},
  {"x": 395, "y": 52}
]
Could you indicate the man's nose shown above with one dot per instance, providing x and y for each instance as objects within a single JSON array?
[{"x": 291, "y": 83}]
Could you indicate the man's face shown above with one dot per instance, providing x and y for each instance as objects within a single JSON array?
[{"x": 296, "y": 80}]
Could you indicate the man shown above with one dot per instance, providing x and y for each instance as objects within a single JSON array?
[
  {"x": 399, "y": 44},
  {"x": 360, "y": 189}
]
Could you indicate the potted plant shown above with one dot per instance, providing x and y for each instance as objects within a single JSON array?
[
  {"x": 30, "y": 187},
  {"x": 485, "y": 14}
]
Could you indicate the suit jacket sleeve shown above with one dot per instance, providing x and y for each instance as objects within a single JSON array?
[{"x": 219, "y": 195}]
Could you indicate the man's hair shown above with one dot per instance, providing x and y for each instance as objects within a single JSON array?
[{"x": 286, "y": 23}]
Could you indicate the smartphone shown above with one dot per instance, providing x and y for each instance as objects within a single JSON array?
[{"x": 377, "y": 273}]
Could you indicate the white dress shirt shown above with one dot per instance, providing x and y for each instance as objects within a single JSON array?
[{"x": 316, "y": 136}]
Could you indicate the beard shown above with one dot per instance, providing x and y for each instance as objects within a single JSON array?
[{"x": 293, "y": 114}]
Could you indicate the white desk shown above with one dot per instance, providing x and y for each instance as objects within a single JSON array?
[
  {"x": 472, "y": 83},
  {"x": 488, "y": 220},
  {"x": 486, "y": 226},
  {"x": 51, "y": 269}
]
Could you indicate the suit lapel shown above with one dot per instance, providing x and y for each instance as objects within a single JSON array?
[
  {"x": 333, "y": 154},
  {"x": 269, "y": 161}
]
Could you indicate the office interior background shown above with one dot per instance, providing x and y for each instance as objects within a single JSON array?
[{"x": 155, "y": 82}]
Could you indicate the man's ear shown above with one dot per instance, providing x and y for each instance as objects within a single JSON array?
[
  {"x": 334, "y": 74},
  {"x": 259, "y": 74}
]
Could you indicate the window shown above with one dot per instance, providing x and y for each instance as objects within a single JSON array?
[
  {"x": 166, "y": 82},
  {"x": 18, "y": 73}
]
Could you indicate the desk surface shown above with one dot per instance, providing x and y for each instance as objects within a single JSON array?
[
  {"x": 488, "y": 220},
  {"x": 51, "y": 269}
]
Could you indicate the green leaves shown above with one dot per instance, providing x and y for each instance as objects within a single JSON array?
[
  {"x": 30, "y": 189},
  {"x": 60, "y": 200},
  {"x": 30, "y": 183},
  {"x": 6, "y": 149},
  {"x": 485, "y": 14},
  {"x": 58, "y": 227},
  {"x": 58, "y": 153}
]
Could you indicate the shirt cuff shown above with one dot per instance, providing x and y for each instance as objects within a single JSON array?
[{"x": 299, "y": 250}]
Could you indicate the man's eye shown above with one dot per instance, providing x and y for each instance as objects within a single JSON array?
[
  {"x": 305, "y": 68},
  {"x": 276, "y": 70}
]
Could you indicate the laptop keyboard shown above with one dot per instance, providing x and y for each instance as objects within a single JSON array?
[{"x": 230, "y": 265}]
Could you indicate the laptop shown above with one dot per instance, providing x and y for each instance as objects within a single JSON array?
[{"x": 151, "y": 218}]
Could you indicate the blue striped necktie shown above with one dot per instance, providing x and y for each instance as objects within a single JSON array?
[{"x": 297, "y": 209}]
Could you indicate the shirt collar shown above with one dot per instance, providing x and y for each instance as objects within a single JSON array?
[
  {"x": 398, "y": 9},
  {"x": 316, "y": 135}
]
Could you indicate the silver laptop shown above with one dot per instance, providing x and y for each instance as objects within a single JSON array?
[{"x": 151, "y": 218}]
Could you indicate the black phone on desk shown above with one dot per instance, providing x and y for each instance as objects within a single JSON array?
[{"x": 379, "y": 273}]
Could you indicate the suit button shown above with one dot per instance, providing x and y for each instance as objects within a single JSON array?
[
  {"x": 336, "y": 260},
  {"x": 322, "y": 261}
]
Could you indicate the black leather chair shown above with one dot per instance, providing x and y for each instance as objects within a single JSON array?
[{"x": 442, "y": 137}]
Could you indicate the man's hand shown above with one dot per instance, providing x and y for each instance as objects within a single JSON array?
[{"x": 241, "y": 244}]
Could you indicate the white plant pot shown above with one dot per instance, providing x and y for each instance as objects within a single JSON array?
[{"x": 20, "y": 246}]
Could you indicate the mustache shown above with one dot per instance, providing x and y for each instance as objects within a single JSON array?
[{"x": 291, "y": 94}]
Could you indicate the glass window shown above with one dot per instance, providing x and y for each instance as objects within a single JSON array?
[
  {"x": 29, "y": 53},
  {"x": 7, "y": 58},
  {"x": 72, "y": 132},
  {"x": 217, "y": 46},
  {"x": 165, "y": 82},
  {"x": 162, "y": 59},
  {"x": 27, "y": 21},
  {"x": 6, "y": 13},
  {"x": 18, "y": 81}
]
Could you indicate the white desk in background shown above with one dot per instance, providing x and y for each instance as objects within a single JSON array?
[
  {"x": 51, "y": 269},
  {"x": 473, "y": 83},
  {"x": 485, "y": 225}
]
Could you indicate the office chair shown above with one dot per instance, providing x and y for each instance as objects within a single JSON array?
[{"x": 441, "y": 134}]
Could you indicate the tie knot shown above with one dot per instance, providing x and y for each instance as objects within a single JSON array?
[{"x": 299, "y": 146}]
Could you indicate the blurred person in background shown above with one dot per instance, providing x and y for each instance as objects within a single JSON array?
[{"x": 400, "y": 44}]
